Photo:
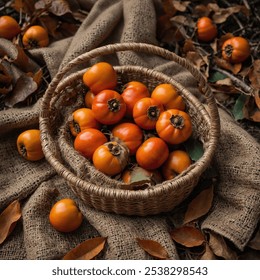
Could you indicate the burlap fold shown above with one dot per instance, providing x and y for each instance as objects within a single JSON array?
[{"x": 236, "y": 208}]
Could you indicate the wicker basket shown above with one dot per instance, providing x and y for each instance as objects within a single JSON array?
[{"x": 157, "y": 199}]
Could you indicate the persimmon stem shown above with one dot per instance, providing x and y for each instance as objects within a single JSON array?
[
  {"x": 114, "y": 148},
  {"x": 228, "y": 50},
  {"x": 113, "y": 105},
  {"x": 153, "y": 113},
  {"x": 177, "y": 121},
  {"x": 23, "y": 150}
]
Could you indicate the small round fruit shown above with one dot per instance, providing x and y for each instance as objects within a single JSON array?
[
  {"x": 88, "y": 140},
  {"x": 146, "y": 112},
  {"x": 81, "y": 119},
  {"x": 236, "y": 50},
  {"x": 133, "y": 91},
  {"x": 174, "y": 126},
  {"x": 168, "y": 96},
  {"x": 111, "y": 158},
  {"x": 35, "y": 37},
  {"x": 29, "y": 145},
  {"x": 65, "y": 215},
  {"x": 177, "y": 162},
  {"x": 89, "y": 96},
  {"x": 152, "y": 153},
  {"x": 108, "y": 107},
  {"x": 100, "y": 76},
  {"x": 130, "y": 134},
  {"x": 9, "y": 27},
  {"x": 206, "y": 29}
]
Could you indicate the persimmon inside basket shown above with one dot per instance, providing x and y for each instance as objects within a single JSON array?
[{"x": 66, "y": 93}]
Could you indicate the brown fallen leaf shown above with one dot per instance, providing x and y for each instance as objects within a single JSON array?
[
  {"x": 188, "y": 236},
  {"x": 222, "y": 63},
  {"x": 5, "y": 80},
  {"x": 220, "y": 248},
  {"x": 221, "y": 14},
  {"x": 8, "y": 219},
  {"x": 86, "y": 250},
  {"x": 181, "y": 5},
  {"x": 153, "y": 248},
  {"x": 254, "y": 74},
  {"x": 24, "y": 87},
  {"x": 199, "y": 206},
  {"x": 56, "y": 7}
]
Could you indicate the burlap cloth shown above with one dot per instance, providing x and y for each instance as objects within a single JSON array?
[{"x": 236, "y": 205}]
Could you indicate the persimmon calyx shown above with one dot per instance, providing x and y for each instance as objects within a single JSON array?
[
  {"x": 153, "y": 113},
  {"x": 177, "y": 121},
  {"x": 113, "y": 105}
]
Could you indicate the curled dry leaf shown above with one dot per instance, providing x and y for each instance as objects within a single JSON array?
[
  {"x": 180, "y": 6},
  {"x": 254, "y": 75},
  {"x": 153, "y": 248},
  {"x": 188, "y": 236},
  {"x": 57, "y": 7},
  {"x": 221, "y": 14},
  {"x": 87, "y": 250},
  {"x": 222, "y": 63},
  {"x": 219, "y": 247},
  {"x": 200, "y": 205},
  {"x": 5, "y": 80},
  {"x": 24, "y": 87},
  {"x": 8, "y": 219}
]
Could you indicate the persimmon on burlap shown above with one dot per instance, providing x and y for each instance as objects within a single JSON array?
[{"x": 236, "y": 204}]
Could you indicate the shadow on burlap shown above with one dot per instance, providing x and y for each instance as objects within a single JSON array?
[{"x": 236, "y": 206}]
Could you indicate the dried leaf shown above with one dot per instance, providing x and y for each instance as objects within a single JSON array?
[
  {"x": 208, "y": 254},
  {"x": 221, "y": 14},
  {"x": 153, "y": 248},
  {"x": 219, "y": 247},
  {"x": 257, "y": 99},
  {"x": 24, "y": 87},
  {"x": 201, "y": 62},
  {"x": 16, "y": 55},
  {"x": 255, "y": 116},
  {"x": 201, "y": 10},
  {"x": 226, "y": 86},
  {"x": 86, "y": 250},
  {"x": 168, "y": 8},
  {"x": 200, "y": 205},
  {"x": 181, "y": 5},
  {"x": 188, "y": 46},
  {"x": 254, "y": 74},
  {"x": 57, "y": 7},
  {"x": 27, "y": 6},
  {"x": 222, "y": 63},
  {"x": 188, "y": 236},
  {"x": 183, "y": 20},
  {"x": 8, "y": 219},
  {"x": 5, "y": 80}
]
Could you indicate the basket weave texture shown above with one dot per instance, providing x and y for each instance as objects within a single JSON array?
[{"x": 65, "y": 94}]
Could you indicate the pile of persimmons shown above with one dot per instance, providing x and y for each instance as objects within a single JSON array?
[{"x": 131, "y": 126}]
